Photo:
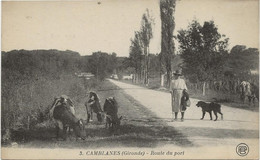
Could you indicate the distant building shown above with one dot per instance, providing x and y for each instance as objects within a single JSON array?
[
  {"x": 86, "y": 75},
  {"x": 128, "y": 77},
  {"x": 254, "y": 72},
  {"x": 114, "y": 76}
]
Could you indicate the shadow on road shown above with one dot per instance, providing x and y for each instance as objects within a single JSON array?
[
  {"x": 128, "y": 135},
  {"x": 132, "y": 135},
  {"x": 221, "y": 133}
]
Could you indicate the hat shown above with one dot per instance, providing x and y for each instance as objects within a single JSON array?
[{"x": 177, "y": 72}]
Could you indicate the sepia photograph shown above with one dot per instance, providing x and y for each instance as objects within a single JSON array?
[{"x": 130, "y": 79}]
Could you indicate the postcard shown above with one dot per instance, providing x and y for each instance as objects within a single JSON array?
[{"x": 130, "y": 79}]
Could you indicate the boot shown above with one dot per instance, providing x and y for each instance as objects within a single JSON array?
[
  {"x": 176, "y": 116},
  {"x": 182, "y": 116},
  {"x": 173, "y": 117}
]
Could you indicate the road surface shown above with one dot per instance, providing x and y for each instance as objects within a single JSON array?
[{"x": 238, "y": 126}]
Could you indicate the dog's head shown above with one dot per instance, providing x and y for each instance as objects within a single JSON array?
[{"x": 200, "y": 104}]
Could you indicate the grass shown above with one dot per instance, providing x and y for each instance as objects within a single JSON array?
[{"x": 139, "y": 127}]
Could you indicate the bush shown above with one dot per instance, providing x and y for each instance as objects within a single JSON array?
[{"x": 31, "y": 80}]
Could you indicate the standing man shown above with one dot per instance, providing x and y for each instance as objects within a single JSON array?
[{"x": 177, "y": 87}]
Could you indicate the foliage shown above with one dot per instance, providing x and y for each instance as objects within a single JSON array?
[
  {"x": 146, "y": 34},
  {"x": 242, "y": 60},
  {"x": 102, "y": 64},
  {"x": 154, "y": 64},
  {"x": 135, "y": 55},
  {"x": 139, "y": 49},
  {"x": 177, "y": 62},
  {"x": 30, "y": 81},
  {"x": 204, "y": 51},
  {"x": 146, "y": 31},
  {"x": 167, "y": 9}
]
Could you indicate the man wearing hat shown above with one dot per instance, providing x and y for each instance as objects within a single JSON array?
[{"x": 177, "y": 87}]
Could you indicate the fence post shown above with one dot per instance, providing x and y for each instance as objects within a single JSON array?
[{"x": 28, "y": 122}]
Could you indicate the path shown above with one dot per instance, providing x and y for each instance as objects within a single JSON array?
[{"x": 238, "y": 126}]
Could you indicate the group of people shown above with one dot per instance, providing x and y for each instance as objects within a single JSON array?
[{"x": 179, "y": 96}]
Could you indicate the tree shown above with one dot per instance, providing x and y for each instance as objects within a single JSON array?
[
  {"x": 146, "y": 34},
  {"x": 113, "y": 63},
  {"x": 154, "y": 64},
  {"x": 242, "y": 60},
  {"x": 204, "y": 51},
  {"x": 30, "y": 79},
  {"x": 167, "y": 9},
  {"x": 102, "y": 64},
  {"x": 135, "y": 55}
]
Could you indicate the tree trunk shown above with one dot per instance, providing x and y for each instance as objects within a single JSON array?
[
  {"x": 31, "y": 91},
  {"x": 168, "y": 70},
  {"x": 169, "y": 77},
  {"x": 146, "y": 66},
  {"x": 140, "y": 71},
  {"x": 28, "y": 122},
  {"x": 162, "y": 80},
  {"x": 97, "y": 73},
  {"x": 140, "y": 76},
  {"x": 203, "y": 88},
  {"x": 161, "y": 70}
]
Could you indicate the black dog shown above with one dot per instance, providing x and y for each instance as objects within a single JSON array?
[{"x": 209, "y": 107}]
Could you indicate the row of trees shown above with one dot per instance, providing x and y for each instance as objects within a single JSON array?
[
  {"x": 203, "y": 52},
  {"x": 139, "y": 56},
  {"x": 31, "y": 64},
  {"x": 207, "y": 59},
  {"x": 100, "y": 64}
]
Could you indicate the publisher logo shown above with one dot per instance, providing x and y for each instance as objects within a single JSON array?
[{"x": 242, "y": 149}]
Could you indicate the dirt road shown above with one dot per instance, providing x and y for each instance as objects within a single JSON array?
[{"x": 238, "y": 125}]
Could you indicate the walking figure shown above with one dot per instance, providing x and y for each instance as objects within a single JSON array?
[{"x": 177, "y": 87}]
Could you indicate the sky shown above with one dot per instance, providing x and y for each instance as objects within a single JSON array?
[{"x": 88, "y": 26}]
